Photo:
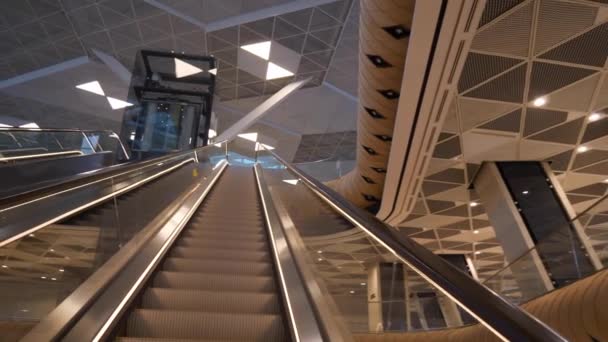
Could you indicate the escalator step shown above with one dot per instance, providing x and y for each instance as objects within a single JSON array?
[
  {"x": 223, "y": 243},
  {"x": 214, "y": 282},
  {"x": 223, "y": 234},
  {"x": 197, "y": 325},
  {"x": 211, "y": 301},
  {"x": 236, "y": 229},
  {"x": 218, "y": 267},
  {"x": 221, "y": 254}
]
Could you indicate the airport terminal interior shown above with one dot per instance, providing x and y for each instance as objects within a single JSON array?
[{"x": 304, "y": 170}]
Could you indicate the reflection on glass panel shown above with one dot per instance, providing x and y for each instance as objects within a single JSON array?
[{"x": 374, "y": 292}]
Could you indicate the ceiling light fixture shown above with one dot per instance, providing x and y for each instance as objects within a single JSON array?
[
  {"x": 473, "y": 204},
  {"x": 274, "y": 71},
  {"x": 213, "y": 71},
  {"x": 539, "y": 102},
  {"x": 92, "y": 87},
  {"x": 478, "y": 252},
  {"x": 261, "y": 50},
  {"x": 476, "y": 231},
  {"x": 212, "y": 133},
  {"x": 5, "y": 125},
  {"x": 595, "y": 117},
  {"x": 291, "y": 181},
  {"x": 319, "y": 251},
  {"x": 183, "y": 69},
  {"x": 4, "y": 266},
  {"x": 363, "y": 284},
  {"x": 61, "y": 270},
  {"x": 352, "y": 292},
  {"x": 117, "y": 104},
  {"x": 525, "y": 192},
  {"x": 320, "y": 259},
  {"x": 249, "y": 136},
  {"x": 582, "y": 149},
  {"x": 260, "y": 147}
]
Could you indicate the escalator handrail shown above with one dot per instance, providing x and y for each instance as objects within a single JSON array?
[
  {"x": 506, "y": 320},
  {"x": 77, "y": 180}
]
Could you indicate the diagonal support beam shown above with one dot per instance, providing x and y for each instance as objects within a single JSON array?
[
  {"x": 117, "y": 68},
  {"x": 43, "y": 72},
  {"x": 261, "y": 110}
]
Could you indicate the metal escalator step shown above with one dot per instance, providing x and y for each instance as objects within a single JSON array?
[
  {"x": 218, "y": 267},
  {"x": 221, "y": 254},
  {"x": 223, "y": 243},
  {"x": 214, "y": 282},
  {"x": 197, "y": 325},
  {"x": 223, "y": 234},
  {"x": 211, "y": 301},
  {"x": 227, "y": 221},
  {"x": 231, "y": 228},
  {"x": 151, "y": 339}
]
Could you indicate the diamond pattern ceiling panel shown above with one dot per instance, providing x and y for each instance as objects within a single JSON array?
[
  {"x": 493, "y": 117},
  {"x": 312, "y": 34}
]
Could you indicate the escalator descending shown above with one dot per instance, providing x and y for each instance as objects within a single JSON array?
[{"x": 218, "y": 280}]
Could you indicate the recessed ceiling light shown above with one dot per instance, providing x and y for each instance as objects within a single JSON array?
[
  {"x": 213, "y": 71},
  {"x": 5, "y": 125},
  {"x": 260, "y": 147},
  {"x": 61, "y": 270},
  {"x": 291, "y": 181},
  {"x": 478, "y": 252},
  {"x": 261, "y": 50},
  {"x": 363, "y": 284},
  {"x": 117, "y": 104},
  {"x": 539, "y": 102},
  {"x": 53, "y": 278},
  {"x": 43, "y": 277},
  {"x": 4, "y": 266},
  {"x": 274, "y": 71},
  {"x": 525, "y": 192},
  {"x": 352, "y": 292},
  {"x": 183, "y": 69},
  {"x": 93, "y": 87},
  {"x": 212, "y": 133},
  {"x": 319, "y": 251},
  {"x": 605, "y": 180},
  {"x": 582, "y": 149},
  {"x": 249, "y": 136},
  {"x": 476, "y": 231},
  {"x": 473, "y": 204},
  {"x": 595, "y": 117},
  {"x": 320, "y": 259}
]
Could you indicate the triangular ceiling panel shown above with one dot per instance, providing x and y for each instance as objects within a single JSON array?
[
  {"x": 509, "y": 35},
  {"x": 565, "y": 134},
  {"x": 560, "y": 161},
  {"x": 474, "y": 112},
  {"x": 538, "y": 119},
  {"x": 505, "y": 123},
  {"x": 495, "y": 8},
  {"x": 300, "y": 19},
  {"x": 548, "y": 77},
  {"x": 538, "y": 150},
  {"x": 590, "y": 48},
  {"x": 508, "y": 87},
  {"x": 480, "y": 67},
  {"x": 575, "y": 97},
  {"x": 553, "y": 25}
]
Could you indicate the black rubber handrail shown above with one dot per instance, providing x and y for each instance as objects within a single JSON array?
[{"x": 506, "y": 320}]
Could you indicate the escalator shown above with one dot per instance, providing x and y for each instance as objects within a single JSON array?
[
  {"x": 218, "y": 281},
  {"x": 188, "y": 247}
]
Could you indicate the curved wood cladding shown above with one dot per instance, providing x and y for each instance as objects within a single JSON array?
[
  {"x": 384, "y": 28},
  {"x": 579, "y": 312}
]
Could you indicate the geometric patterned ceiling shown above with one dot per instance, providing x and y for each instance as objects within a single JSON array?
[
  {"x": 40, "y": 33},
  {"x": 327, "y": 146},
  {"x": 522, "y": 50},
  {"x": 312, "y": 33}
]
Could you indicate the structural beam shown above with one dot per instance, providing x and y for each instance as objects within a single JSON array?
[{"x": 43, "y": 72}]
